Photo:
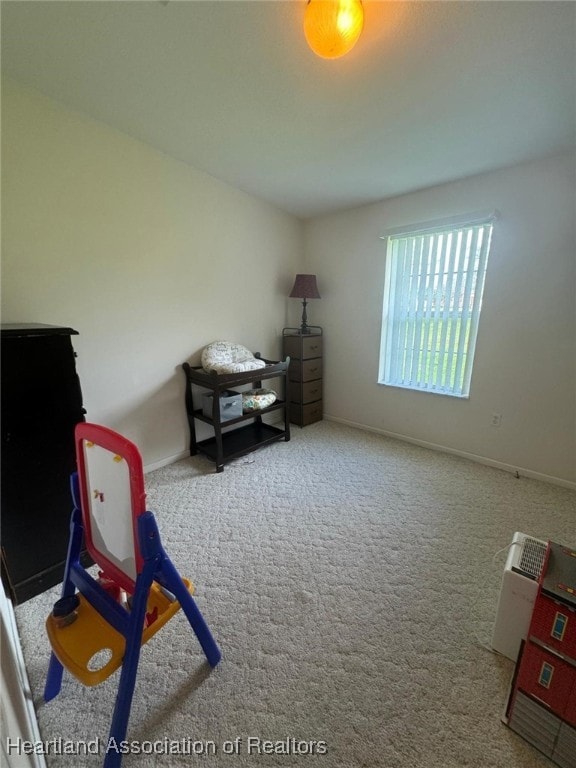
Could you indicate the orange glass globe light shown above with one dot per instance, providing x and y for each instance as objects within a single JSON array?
[{"x": 332, "y": 27}]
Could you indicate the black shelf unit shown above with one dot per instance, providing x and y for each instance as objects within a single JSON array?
[{"x": 224, "y": 446}]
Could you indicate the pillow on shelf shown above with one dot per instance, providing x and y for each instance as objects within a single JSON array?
[
  {"x": 227, "y": 357},
  {"x": 256, "y": 399}
]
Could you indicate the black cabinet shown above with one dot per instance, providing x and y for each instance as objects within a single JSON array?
[
  {"x": 41, "y": 404},
  {"x": 225, "y": 446}
]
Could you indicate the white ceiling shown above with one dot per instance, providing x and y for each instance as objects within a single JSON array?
[{"x": 433, "y": 91}]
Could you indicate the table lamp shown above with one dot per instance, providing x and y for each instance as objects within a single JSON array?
[{"x": 304, "y": 288}]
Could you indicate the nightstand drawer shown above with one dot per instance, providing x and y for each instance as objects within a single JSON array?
[
  {"x": 308, "y": 392},
  {"x": 306, "y": 414},
  {"x": 306, "y": 370},
  {"x": 302, "y": 347}
]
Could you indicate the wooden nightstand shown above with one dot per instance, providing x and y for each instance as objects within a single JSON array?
[{"x": 304, "y": 373}]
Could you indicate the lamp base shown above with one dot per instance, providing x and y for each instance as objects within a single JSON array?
[{"x": 304, "y": 327}]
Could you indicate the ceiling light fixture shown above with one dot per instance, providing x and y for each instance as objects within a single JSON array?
[{"x": 332, "y": 27}]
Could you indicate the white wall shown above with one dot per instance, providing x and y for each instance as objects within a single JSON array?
[
  {"x": 525, "y": 366},
  {"x": 146, "y": 257},
  {"x": 150, "y": 259}
]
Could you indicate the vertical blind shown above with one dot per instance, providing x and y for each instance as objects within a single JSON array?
[{"x": 433, "y": 298}]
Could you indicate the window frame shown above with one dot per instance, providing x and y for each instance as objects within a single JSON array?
[
  {"x": 559, "y": 626},
  {"x": 546, "y": 674},
  {"x": 388, "y": 340}
]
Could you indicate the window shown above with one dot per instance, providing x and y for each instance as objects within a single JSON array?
[
  {"x": 559, "y": 626},
  {"x": 546, "y": 673},
  {"x": 432, "y": 300}
]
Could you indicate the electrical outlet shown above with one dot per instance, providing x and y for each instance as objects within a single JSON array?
[{"x": 496, "y": 419}]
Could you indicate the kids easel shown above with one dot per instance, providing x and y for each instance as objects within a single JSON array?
[{"x": 138, "y": 589}]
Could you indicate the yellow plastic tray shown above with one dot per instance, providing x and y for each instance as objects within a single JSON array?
[{"x": 76, "y": 644}]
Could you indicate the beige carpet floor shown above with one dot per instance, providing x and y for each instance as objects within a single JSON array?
[{"x": 351, "y": 582}]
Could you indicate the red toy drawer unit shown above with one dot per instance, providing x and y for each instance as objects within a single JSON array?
[
  {"x": 554, "y": 615},
  {"x": 554, "y": 624},
  {"x": 548, "y": 678}
]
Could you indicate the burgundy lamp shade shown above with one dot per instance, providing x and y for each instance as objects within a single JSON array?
[{"x": 304, "y": 288}]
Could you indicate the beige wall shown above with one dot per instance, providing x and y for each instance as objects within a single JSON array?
[
  {"x": 525, "y": 367},
  {"x": 146, "y": 257},
  {"x": 150, "y": 259}
]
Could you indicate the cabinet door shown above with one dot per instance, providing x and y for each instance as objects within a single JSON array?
[{"x": 41, "y": 404}]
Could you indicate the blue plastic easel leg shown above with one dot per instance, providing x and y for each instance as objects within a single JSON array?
[
  {"x": 167, "y": 575},
  {"x": 192, "y": 612},
  {"x": 127, "y": 682},
  {"x": 53, "y": 678},
  {"x": 55, "y": 668}
]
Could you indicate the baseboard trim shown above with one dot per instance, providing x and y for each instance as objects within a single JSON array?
[
  {"x": 185, "y": 454},
  {"x": 516, "y": 471},
  {"x": 164, "y": 462}
]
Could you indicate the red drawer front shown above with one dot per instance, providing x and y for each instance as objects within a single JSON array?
[
  {"x": 547, "y": 678},
  {"x": 555, "y": 625},
  {"x": 570, "y": 711}
]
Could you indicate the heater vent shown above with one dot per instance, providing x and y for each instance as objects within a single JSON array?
[
  {"x": 523, "y": 568},
  {"x": 531, "y": 562}
]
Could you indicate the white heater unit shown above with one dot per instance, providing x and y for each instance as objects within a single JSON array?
[{"x": 517, "y": 594}]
